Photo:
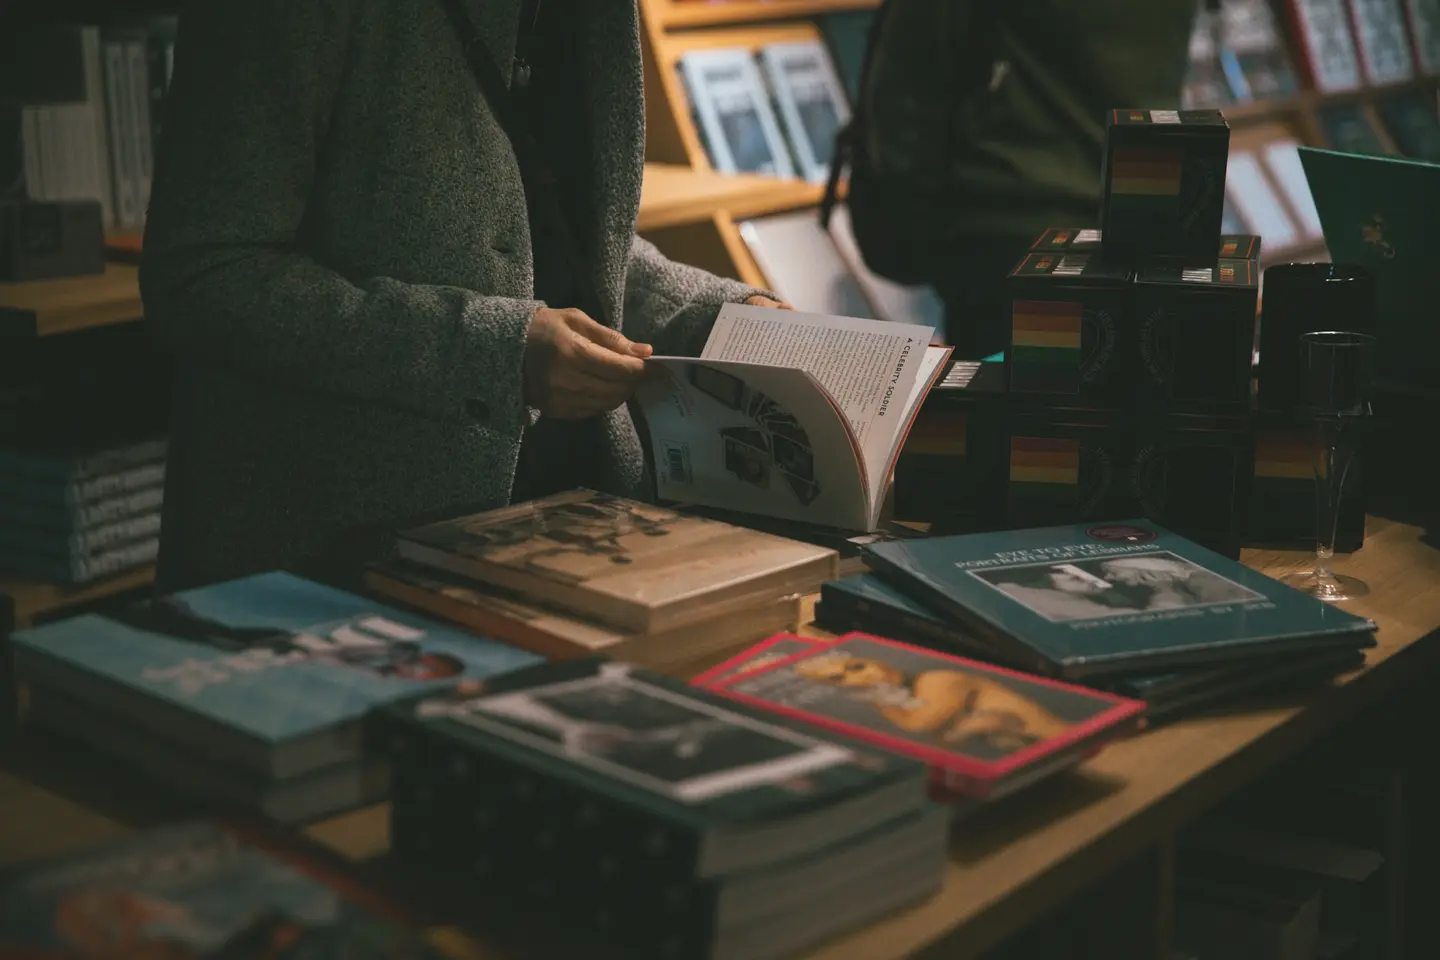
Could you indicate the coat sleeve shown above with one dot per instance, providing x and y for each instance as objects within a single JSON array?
[
  {"x": 672, "y": 306},
  {"x": 226, "y": 279}
]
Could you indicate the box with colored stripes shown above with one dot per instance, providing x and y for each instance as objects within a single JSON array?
[
  {"x": 948, "y": 474},
  {"x": 1070, "y": 323},
  {"x": 1163, "y": 186},
  {"x": 1189, "y": 473},
  {"x": 1196, "y": 336},
  {"x": 1232, "y": 246},
  {"x": 1282, "y": 500}
]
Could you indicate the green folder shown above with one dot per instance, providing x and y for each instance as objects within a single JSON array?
[{"x": 1378, "y": 212}]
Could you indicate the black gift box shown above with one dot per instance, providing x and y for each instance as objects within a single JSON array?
[
  {"x": 1163, "y": 186},
  {"x": 1195, "y": 336},
  {"x": 1232, "y": 246},
  {"x": 1071, "y": 331},
  {"x": 1282, "y": 499}
]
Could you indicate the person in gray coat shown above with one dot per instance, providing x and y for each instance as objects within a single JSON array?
[{"x": 371, "y": 324}]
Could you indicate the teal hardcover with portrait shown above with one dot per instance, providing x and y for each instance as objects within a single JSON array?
[
  {"x": 254, "y": 665},
  {"x": 1097, "y": 599}
]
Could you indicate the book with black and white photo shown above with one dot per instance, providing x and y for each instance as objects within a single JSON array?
[
  {"x": 811, "y": 101},
  {"x": 789, "y": 415},
  {"x": 1105, "y": 599},
  {"x": 732, "y": 111},
  {"x": 574, "y": 797}
]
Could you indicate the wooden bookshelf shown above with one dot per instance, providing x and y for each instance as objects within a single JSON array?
[
  {"x": 30, "y": 600},
  {"x": 676, "y": 195},
  {"x": 48, "y": 307}
]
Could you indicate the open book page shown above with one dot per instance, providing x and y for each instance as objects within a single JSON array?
[
  {"x": 867, "y": 366},
  {"x": 928, "y": 370},
  {"x": 755, "y": 439}
]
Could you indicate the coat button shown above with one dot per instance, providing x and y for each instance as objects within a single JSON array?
[{"x": 478, "y": 409}]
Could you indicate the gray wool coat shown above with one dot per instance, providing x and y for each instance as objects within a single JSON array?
[{"x": 338, "y": 254}]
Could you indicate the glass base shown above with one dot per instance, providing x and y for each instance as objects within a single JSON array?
[{"x": 1331, "y": 587}]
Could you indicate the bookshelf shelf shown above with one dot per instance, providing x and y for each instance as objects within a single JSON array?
[
  {"x": 32, "y": 599},
  {"x": 674, "y": 195},
  {"x": 45, "y": 308},
  {"x": 1311, "y": 100},
  {"x": 682, "y": 14}
]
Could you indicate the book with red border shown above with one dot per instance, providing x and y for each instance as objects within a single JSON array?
[{"x": 988, "y": 729}]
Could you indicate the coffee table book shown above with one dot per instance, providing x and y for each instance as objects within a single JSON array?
[
  {"x": 632, "y": 566},
  {"x": 271, "y": 674},
  {"x": 1107, "y": 598},
  {"x": 556, "y": 636}
]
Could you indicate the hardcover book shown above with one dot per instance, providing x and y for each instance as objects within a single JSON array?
[
  {"x": 788, "y": 415},
  {"x": 1109, "y": 598},
  {"x": 68, "y": 465},
  {"x": 1327, "y": 45},
  {"x": 1384, "y": 40},
  {"x": 695, "y": 786},
  {"x": 62, "y": 565},
  {"x": 270, "y": 673},
  {"x": 632, "y": 566},
  {"x": 193, "y": 890},
  {"x": 51, "y": 493},
  {"x": 78, "y": 519},
  {"x": 1423, "y": 17},
  {"x": 1253, "y": 38},
  {"x": 986, "y": 727},
  {"x": 727, "y": 95},
  {"x": 553, "y": 635},
  {"x": 867, "y": 604},
  {"x": 812, "y": 102}
]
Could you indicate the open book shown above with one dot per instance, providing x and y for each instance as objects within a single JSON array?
[{"x": 792, "y": 415}]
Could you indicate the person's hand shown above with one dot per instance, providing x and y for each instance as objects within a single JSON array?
[
  {"x": 575, "y": 368},
  {"x": 759, "y": 301}
]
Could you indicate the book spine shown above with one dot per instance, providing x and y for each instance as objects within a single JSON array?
[
  {"x": 84, "y": 466},
  {"x": 137, "y": 86},
  {"x": 1015, "y": 651},
  {"x": 84, "y": 542},
  {"x": 121, "y": 153},
  {"x": 82, "y": 569},
  {"x": 76, "y": 518},
  {"x": 97, "y": 140}
]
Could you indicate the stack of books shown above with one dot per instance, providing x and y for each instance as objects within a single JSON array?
[
  {"x": 594, "y": 808},
  {"x": 584, "y": 573},
  {"x": 204, "y": 889},
  {"x": 1125, "y": 607},
  {"x": 251, "y": 693},
  {"x": 75, "y": 516}
]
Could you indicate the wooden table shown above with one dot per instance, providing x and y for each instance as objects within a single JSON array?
[{"x": 1036, "y": 850}]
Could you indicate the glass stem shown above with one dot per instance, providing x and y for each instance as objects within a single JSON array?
[{"x": 1332, "y": 462}]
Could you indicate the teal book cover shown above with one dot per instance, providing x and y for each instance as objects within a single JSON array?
[
  {"x": 1379, "y": 213},
  {"x": 272, "y": 656},
  {"x": 189, "y": 890},
  {"x": 1123, "y": 597}
]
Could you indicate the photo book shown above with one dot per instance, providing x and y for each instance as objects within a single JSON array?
[
  {"x": 789, "y": 415},
  {"x": 983, "y": 730},
  {"x": 1099, "y": 599}
]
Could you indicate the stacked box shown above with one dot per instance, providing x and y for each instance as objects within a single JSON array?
[
  {"x": 1282, "y": 499},
  {"x": 1163, "y": 186}
]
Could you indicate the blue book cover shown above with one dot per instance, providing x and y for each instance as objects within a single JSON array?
[
  {"x": 191, "y": 890},
  {"x": 1125, "y": 597},
  {"x": 272, "y": 657}
]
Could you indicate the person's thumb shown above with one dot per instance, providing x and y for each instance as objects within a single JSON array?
[{"x": 612, "y": 339}]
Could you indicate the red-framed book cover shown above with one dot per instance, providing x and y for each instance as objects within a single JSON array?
[{"x": 977, "y": 778}]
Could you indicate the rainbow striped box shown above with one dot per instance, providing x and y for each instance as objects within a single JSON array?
[
  {"x": 1163, "y": 186},
  {"x": 1190, "y": 473},
  {"x": 1195, "y": 337},
  {"x": 946, "y": 473},
  {"x": 1282, "y": 499},
  {"x": 1070, "y": 322}
]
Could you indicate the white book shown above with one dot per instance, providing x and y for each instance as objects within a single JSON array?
[
  {"x": 1247, "y": 187},
  {"x": 892, "y": 301},
  {"x": 811, "y": 100},
  {"x": 791, "y": 415},
  {"x": 803, "y": 266},
  {"x": 137, "y": 86},
  {"x": 1324, "y": 28},
  {"x": 733, "y": 112},
  {"x": 1384, "y": 40},
  {"x": 1282, "y": 159},
  {"x": 124, "y": 160}
]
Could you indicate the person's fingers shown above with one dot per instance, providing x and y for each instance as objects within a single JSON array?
[
  {"x": 595, "y": 360},
  {"x": 605, "y": 336}
]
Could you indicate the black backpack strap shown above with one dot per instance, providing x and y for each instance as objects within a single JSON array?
[
  {"x": 504, "y": 99},
  {"x": 848, "y": 138}
]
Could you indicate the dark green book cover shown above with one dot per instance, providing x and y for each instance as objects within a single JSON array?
[
  {"x": 662, "y": 766},
  {"x": 1123, "y": 597}
]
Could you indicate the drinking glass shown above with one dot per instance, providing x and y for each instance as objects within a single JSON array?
[{"x": 1337, "y": 381}]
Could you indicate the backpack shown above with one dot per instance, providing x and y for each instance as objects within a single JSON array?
[{"x": 898, "y": 157}]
